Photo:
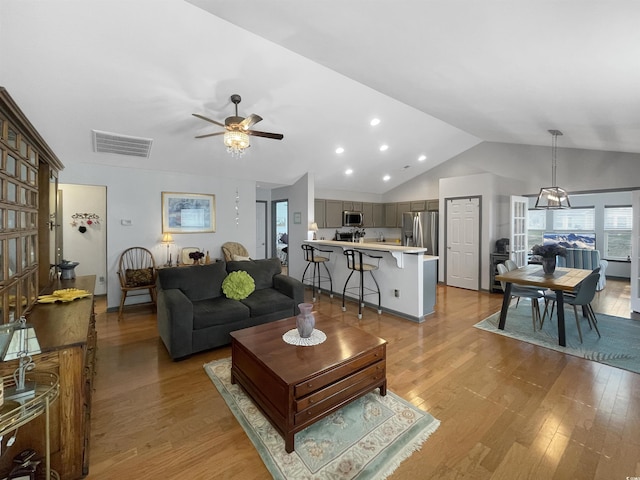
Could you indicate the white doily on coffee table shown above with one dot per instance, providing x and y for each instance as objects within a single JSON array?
[{"x": 292, "y": 337}]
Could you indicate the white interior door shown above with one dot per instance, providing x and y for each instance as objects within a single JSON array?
[
  {"x": 463, "y": 243},
  {"x": 261, "y": 230},
  {"x": 518, "y": 241}
]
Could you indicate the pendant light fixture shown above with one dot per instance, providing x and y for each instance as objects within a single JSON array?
[{"x": 553, "y": 198}]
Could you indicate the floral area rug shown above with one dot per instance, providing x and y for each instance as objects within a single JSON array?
[
  {"x": 619, "y": 345},
  {"x": 364, "y": 440}
]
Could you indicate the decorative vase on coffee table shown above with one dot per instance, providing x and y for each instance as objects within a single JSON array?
[
  {"x": 549, "y": 265},
  {"x": 305, "y": 321}
]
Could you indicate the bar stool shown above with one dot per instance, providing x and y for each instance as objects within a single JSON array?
[
  {"x": 355, "y": 264},
  {"x": 315, "y": 260}
]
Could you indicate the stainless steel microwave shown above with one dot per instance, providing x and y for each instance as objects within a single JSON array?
[{"x": 352, "y": 219}]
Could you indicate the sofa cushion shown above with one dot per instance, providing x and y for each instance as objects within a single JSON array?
[
  {"x": 197, "y": 282},
  {"x": 262, "y": 271},
  {"x": 268, "y": 300},
  {"x": 218, "y": 311}
]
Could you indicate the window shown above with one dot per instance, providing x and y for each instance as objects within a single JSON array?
[
  {"x": 574, "y": 220},
  {"x": 536, "y": 226},
  {"x": 617, "y": 232}
]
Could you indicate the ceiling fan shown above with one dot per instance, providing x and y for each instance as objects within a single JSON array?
[{"x": 237, "y": 129}]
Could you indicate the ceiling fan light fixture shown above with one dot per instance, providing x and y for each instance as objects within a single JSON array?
[
  {"x": 553, "y": 198},
  {"x": 236, "y": 142}
]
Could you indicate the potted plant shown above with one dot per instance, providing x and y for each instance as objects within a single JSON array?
[{"x": 548, "y": 254}]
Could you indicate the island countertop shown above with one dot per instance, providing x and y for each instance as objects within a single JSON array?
[
  {"x": 379, "y": 246},
  {"x": 406, "y": 276}
]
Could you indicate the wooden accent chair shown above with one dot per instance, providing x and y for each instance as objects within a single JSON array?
[{"x": 137, "y": 272}]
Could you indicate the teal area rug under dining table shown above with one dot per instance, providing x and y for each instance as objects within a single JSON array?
[
  {"x": 366, "y": 439},
  {"x": 619, "y": 345}
]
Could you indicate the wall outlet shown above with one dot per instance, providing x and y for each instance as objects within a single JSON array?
[
  {"x": 101, "y": 279},
  {"x": 396, "y": 293}
]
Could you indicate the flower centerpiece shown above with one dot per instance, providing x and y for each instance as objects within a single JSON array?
[
  {"x": 547, "y": 254},
  {"x": 551, "y": 250},
  {"x": 196, "y": 257}
]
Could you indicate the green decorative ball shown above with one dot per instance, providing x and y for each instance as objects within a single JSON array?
[{"x": 238, "y": 285}]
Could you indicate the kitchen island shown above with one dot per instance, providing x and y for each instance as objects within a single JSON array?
[{"x": 406, "y": 275}]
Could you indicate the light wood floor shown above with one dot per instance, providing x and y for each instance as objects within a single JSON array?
[{"x": 508, "y": 409}]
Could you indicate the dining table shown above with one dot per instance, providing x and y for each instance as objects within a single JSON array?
[{"x": 561, "y": 281}]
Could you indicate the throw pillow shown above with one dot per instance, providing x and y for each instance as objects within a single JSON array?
[
  {"x": 138, "y": 277},
  {"x": 238, "y": 285},
  {"x": 239, "y": 258}
]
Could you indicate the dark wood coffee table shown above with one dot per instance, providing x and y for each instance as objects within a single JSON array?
[{"x": 297, "y": 386}]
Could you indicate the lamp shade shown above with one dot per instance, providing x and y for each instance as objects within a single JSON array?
[
  {"x": 313, "y": 227},
  {"x": 167, "y": 238},
  {"x": 553, "y": 198},
  {"x": 23, "y": 342}
]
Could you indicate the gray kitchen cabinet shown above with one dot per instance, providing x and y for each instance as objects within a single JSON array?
[
  {"x": 418, "y": 205},
  {"x": 333, "y": 213},
  {"x": 402, "y": 207},
  {"x": 319, "y": 213},
  {"x": 378, "y": 214},
  {"x": 390, "y": 214},
  {"x": 367, "y": 213},
  {"x": 433, "y": 205}
]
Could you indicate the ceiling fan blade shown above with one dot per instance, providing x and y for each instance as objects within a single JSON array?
[
  {"x": 275, "y": 136},
  {"x": 210, "y": 135},
  {"x": 215, "y": 122},
  {"x": 250, "y": 121}
]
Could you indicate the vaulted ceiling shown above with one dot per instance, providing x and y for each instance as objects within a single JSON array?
[{"x": 441, "y": 75}]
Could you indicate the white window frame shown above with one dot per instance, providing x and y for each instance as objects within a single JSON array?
[{"x": 610, "y": 228}]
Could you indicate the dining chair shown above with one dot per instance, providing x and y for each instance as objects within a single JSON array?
[
  {"x": 583, "y": 297},
  {"x": 511, "y": 265},
  {"x": 531, "y": 293},
  {"x": 550, "y": 298}
]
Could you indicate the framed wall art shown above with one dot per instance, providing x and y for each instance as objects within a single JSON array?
[{"x": 188, "y": 213}]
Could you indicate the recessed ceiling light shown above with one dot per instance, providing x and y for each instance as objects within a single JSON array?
[
  {"x": 348, "y": 171},
  {"x": 384, "y": 148},
  {"x": 386, "y": 178},
  {"x": 374, "y": 122},
  {"x": 339, "y": 150},
  {"x": 422, "y": 158}
]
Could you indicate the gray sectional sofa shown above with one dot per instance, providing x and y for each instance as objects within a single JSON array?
[{"x": 194, "y": 314}]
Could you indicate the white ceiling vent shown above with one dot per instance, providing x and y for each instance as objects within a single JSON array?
[{"x": 105, "y": 142}]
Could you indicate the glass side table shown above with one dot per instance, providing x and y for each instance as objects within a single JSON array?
[{"x": 14, "y": 414}]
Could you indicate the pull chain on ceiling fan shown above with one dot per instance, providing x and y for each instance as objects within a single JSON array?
[{"x": 237, "y": 130}]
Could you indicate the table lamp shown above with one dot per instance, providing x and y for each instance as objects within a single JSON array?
[
  {"x": 314, "y": 228},
  {"x": 167, "y": 240},
  {"x": 18, "y": 341}
]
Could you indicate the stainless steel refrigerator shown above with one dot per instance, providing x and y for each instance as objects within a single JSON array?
[{"x": 420, "y": 229}]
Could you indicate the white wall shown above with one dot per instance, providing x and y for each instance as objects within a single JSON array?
[
  {"x": 89, "y": 248},
  {"x": 493, "y": 192},
  {"x": 135, "y": 194},
  {"x": 300, "y": 196}
]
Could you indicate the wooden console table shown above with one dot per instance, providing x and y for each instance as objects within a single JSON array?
[{"x": 67, "y": 337}]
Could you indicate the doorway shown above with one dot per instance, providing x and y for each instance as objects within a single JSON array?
[
  {"x": 463, "y": 242},
  {"x": 85, "y": 240},
  {"x": 280, "y": 240},
  {"x": 261, "y": 229}
]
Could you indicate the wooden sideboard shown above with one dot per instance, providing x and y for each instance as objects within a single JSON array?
[{"x": 67, "y": 336}]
